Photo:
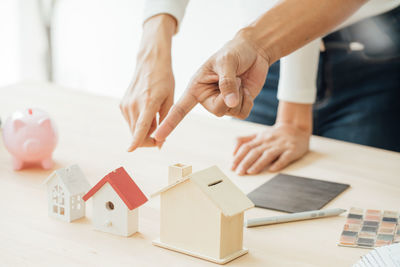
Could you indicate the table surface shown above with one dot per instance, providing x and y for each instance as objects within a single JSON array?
[{"x": 93, "y": 134}]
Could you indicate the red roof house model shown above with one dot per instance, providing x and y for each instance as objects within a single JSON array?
[{"x": 124, "y": 186}]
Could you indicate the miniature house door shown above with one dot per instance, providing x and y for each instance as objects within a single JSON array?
[{"x": 58, "y": 200}]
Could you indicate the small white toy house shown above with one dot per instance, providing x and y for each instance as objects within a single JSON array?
[
  {"x": 202, "y": 214},
  {"x": 116, "y": 199},
  {"x": 65, "y": 189}
]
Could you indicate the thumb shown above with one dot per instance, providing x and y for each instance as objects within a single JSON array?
[{"x": 228, "y": 82}]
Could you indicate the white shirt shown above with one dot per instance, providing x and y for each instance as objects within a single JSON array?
[{"x": 298, "y": 71}]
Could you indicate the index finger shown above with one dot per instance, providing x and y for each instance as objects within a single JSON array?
[
  {"x": 185, "y": 104},
  {"x": 143, "y": 125}
]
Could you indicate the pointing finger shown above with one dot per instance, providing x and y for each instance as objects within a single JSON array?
[{"x": 185, "y": 104}]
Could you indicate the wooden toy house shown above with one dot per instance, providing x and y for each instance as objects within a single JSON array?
[
  {"x": 116, "y": 199},
  {"x": 65, "y": 189},
  {"x": 202, "y": 214}
]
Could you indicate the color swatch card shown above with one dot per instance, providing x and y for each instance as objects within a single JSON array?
[
  {"x": 388, "y": 256},
  {"x": 370, "y": 228}
]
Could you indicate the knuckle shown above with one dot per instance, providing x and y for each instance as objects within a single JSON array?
[
  {"x": 254, "y": 152},
  {"x": 243, "y": 115},
  {"x": 179, "y": 110},
  {"x": 227, "y": 83},
  {"x": 143, "y": 125},
  {"x": 218, "y": 111},
  {"x": 246, "y": 147},
  {"x": 225, "y": 56},
  {"x": 258, "y": 150},
  {"x": 291, "y": 147},
  {"x": 219, "y": 114}
]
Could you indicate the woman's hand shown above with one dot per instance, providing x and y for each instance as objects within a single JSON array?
[
  {"x": 277, "y": 147},
  {"x": 152, "y": 89},
  {"x": 274, "y": 148}
]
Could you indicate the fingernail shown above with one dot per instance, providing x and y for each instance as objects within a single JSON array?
[
  {"x": 250, "y": 171},
  {"x": 231, "y": 100}
]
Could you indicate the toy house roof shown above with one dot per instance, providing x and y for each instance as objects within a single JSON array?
[
  {"x": 218, "y": 188},
  {"x": 72, "y": 178},
  {"x": 123, "y": 185}
]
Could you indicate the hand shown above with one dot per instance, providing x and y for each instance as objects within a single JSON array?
[
  {"x": 152, "y": 89},
  {"x": 225, "y": 85},
  {"x": 276, "y": 148},
  {"x": 151, "y": 92}
]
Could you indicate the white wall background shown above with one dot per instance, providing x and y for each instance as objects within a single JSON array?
[
  {"x": 95, "y": 41},
  {"x": 8, "y": 42}
]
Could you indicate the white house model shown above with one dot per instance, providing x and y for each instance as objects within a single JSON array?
[
  {"x": 65, "y": 189},
  {"x": 202, "y": 214},
  {"x": 116, "y": 199}
]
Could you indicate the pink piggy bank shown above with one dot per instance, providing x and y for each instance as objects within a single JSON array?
[{"x": 31, "y": 137}]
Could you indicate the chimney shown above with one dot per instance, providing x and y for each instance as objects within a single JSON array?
[{"x": 177, "y": 171}]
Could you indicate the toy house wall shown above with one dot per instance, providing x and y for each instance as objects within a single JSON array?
[
  {"x": 65, "y": 206},
  {"x": 118, "y": 216},
  {"x": 231, "y": 234},
  {"x": 133, "y": 221},
  {"x": 78, "y": 206},
  {"x": 189, "y": 220}
]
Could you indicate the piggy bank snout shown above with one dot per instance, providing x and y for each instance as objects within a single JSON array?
[{"x": 31, "y": 146}]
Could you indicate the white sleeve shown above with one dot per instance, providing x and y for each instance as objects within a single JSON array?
[
  {"x": 298, "y": 74},
  {"x": 298, "y": 71},
  {"x": 175, "y": 8}
]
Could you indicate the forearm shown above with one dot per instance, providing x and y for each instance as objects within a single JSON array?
[
  {"x": 292, "y": 23},
  {"x": 156, "y": 39},
  {"x": 298, "y": 115}
]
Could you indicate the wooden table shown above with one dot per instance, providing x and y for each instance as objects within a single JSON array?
[{"x": 94, "y": 135}]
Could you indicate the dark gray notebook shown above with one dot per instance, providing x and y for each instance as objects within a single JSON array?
[{"x": 295, "y": 194}]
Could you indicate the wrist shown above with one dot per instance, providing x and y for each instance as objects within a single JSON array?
[
  {"x": 156, "y": 39},
  {"x": 264, "y": 39},
  {"x": 250, "y": 35},
  {"x": 295, "y": 114}
]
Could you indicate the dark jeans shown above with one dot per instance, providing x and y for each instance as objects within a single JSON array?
[{"x": 358, "y": 97}]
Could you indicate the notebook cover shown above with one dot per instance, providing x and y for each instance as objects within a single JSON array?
[{"x": 295, "y": 194}]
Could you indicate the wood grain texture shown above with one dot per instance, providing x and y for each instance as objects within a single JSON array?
[{"x": 94, "y": 135}]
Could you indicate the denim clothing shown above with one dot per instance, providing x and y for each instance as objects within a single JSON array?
[{"x": 358, "y": 95}]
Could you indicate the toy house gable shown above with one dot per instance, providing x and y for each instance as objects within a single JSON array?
[
  {"x": 221, "y": 191},
  {"x": 116, "y": 199},
  {"x": 65, "y": 187},
  {"x": 124, "y": 186},
  {"x": 72, "y": 178},
  {"x": 218, "y": 188}
]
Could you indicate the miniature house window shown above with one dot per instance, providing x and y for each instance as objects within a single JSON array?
[
  {"x": 74, "y": 203},
  {"x": 58, "y": 200},
  {"x": 110, "y": 205}
]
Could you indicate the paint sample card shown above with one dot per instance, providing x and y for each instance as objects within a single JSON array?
[
  {"x": 295, "y": 194},
  {"x": 370, "y": 228},
  {"x": 382, "y": 256}
]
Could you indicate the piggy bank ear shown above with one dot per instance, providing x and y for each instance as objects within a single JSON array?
[
  {"x": 18, "y": 124},
  {"x": 45, "y": 123}
]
